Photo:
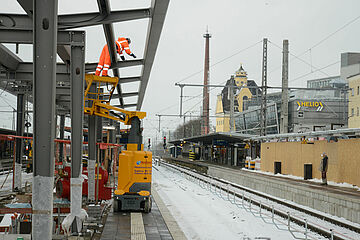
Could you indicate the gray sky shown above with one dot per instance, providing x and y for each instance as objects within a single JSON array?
[{"x": 235, "y": 25}]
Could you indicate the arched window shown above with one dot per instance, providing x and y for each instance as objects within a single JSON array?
[{"x": 245, "y": 98}]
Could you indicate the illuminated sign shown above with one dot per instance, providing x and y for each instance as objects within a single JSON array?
[{"x": 318, "y": 105}]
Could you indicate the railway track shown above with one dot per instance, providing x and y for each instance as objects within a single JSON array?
[{"x": 331, "y": 228}]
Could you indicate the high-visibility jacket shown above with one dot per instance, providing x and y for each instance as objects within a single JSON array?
[
  {"x": 123, "y": 45},
  {"x": 105, "y": 61}
]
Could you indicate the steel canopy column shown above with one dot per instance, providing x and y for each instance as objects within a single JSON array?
[
  {"x": 62, "y": 135},
  {"x": 92, "y": 124},
  {"x": 284, "y": 117},
  {"x": 112, "y": 140},
  {"x": 135, "y": 132},
  {"x": 99, "y": 136},
  {"x": 44, "y": 50},
  {"x": 20, "y": 116},
  {"x": 77, "y": 70}
]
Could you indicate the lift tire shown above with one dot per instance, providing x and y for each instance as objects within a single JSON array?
[{"x": 147, "y": 207}]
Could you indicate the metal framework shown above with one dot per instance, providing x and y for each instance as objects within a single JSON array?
[
  {"x": 263, "y": 90},
  {"x": 284, "y": 119},
  {"x": 17, "y": 28},
  {"x": 58, "y": 88}
]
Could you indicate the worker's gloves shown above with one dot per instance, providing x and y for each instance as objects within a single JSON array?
[
  {"x": 122, "y": 58},
  {"x": 133, "y": 55}
]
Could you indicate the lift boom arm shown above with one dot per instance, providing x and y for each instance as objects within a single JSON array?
[{"x": 99, "y": 106}]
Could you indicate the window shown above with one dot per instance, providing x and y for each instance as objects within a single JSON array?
[
  {"x": 300, "y": 114},
  {"x": 352, "y": 92},
  {"x": 357, "y": 111},
  {"x": 358, "y": 90},
  {"x": 352, "y": 112}
]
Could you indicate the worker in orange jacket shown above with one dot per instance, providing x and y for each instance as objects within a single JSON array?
[{"x": 122, "y": 44}]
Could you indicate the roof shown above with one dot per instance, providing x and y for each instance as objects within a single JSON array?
[
  {"x": 346, "y": 131},
  {"x": 209, "y": 138},
  {"x": 225, "y": 95},
  {"x": 353, "y": 76},
  {"x": 18, "y": 74}
]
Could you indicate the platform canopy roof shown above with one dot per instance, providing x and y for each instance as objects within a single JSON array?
[
  {"x": 209, "y": 139},
  {"x": 16, "y": 75}
]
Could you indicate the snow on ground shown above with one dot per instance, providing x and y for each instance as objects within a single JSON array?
[
  {"x": 347, "y": 185},
  {"x": 203, "y": 215}
]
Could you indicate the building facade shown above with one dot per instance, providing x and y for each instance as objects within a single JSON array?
[
  {"x": 244, "y": 89},
  {"x": 350, "y": 65},
  {"x": 309, "y": 110},
  {"x": 354, "y": 101}
]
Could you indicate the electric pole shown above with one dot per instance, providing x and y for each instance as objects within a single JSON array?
[
  {"x": 181, "y": 96},
  {"x": 284, "y": 120},
  {"x": 232, "y": 99},
  {"x": 263, "y": 90}
]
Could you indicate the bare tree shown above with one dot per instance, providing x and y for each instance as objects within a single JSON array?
[{"x": 192, "y": 128}]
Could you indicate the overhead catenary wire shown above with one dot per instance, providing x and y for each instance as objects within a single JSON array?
[
  {"x": 302, "y": 76},
  {"x": 319, "y": 43},
  {"x": 313, "y": 71},
  {"x": 330, "y": 35},
  {"x": 4, "y": 99},
  {"x": 300, "y": 59},
  {"x": 313, "y": 68},
  {"x": 200, "y": 71},
  {"x": 220, "y": 61}
]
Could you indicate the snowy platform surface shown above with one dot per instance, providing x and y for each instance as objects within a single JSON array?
[{"x": 203, "y": 215}]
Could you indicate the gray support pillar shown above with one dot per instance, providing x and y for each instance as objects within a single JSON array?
[
  {"x": 112, "y": 137},
  {"x": 99, "y": 125},
  {"x": 284, "y": 118},
  {"x": 232, "y": 99},
  {"x": 235, "y": 156},
  {"x": 230, "y": 155},
  {"x": 92, "y": 125},
  {"x": 62, "y": 135},
  {"x": 77, "y": 66},
  {"x": 99, "y": 136},
  {"x": 92, "y": 157},
  {"x": 44, "y": 92},
  {"x": 135, "y": 132},
  {"x": 20, "y": 116},
  {"x": 112, "y": 140}
]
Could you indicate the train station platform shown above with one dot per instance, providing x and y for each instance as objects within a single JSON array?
[
  {"x": 158, "y": 224},
  {"x": 342, "y": 202}
]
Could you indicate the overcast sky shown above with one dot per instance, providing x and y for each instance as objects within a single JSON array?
[{"x": 237, "y": 28}]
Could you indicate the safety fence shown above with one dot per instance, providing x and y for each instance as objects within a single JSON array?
[
  {"x": 107, "y": 156},
  {"x": 283, "y": 218}
]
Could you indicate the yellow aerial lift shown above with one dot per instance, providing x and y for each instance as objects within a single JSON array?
[{"x": 133, "y": 190}]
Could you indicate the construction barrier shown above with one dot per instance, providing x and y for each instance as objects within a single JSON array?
[
  {"x": 191, "y": 155},
  {"x": 252, "y": 165}
]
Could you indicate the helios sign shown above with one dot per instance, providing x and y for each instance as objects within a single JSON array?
[{"x": 310, "y": 104}]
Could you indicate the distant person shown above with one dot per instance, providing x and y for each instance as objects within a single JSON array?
[{"x": 323, "y": 168}]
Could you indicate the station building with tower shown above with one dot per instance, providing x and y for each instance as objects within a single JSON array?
[
  {"x": 326, "y": 103},
  {"x": 244, "y": 89}
]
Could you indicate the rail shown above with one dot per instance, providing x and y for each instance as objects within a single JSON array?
[{"x": 255, "y": 202}]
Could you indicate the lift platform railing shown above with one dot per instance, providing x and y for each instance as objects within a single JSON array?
[{"x": 100, "y": 106}]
